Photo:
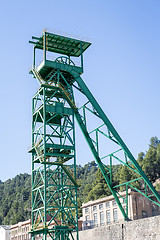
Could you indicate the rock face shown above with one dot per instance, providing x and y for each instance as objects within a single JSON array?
[{"x": 143, "y": 229}]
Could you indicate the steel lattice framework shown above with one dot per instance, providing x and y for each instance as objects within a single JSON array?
[{"x": 54, "y": 181}]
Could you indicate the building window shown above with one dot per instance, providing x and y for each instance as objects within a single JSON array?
[
  {"x": 155, "y": 210},
  {"x": 101, "y": 218},
  {"x": 107, "y": 204},
  {"x": 144, "y": 214},
  {"x": 114, "y": 203},
  {"x": 101, "y": 206},
  {"x": 87, "y": 218},
  {"x": 94, "y": 208},
  {"x": 108, "y": 215},
  {"x": 95, "y": 219},
  {"x": 86, "y": 210},
  {"x": 115, "y": 215}
]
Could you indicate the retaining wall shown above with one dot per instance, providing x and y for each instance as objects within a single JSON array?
[{"x": 143, "y": 229}]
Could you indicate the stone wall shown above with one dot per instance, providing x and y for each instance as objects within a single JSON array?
[{"x": 143, "y": 229}]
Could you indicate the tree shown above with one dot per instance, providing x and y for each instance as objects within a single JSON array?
[
  {"x": 99, "y": 188},
  {"x": 150, "y": 163},
  {"x": 125, "y": 175}
]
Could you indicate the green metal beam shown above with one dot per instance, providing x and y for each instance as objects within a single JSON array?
[{"x": 98, "y": 160}]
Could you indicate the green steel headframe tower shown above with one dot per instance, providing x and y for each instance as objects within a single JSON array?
[{"x": 54, "y": 180}]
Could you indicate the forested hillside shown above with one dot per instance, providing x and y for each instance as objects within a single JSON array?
[
  {"x": 15, "y": 199},
  {"x": 15, "y": 194}
]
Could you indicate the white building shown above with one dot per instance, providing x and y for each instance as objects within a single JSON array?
[
  {"x": 4, "y": 232},
  {"x": 105, "y": 211},
  {"x": 20, "y": 231}
]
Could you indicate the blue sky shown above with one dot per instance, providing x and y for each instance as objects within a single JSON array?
[{"x": 121, "y": 69}]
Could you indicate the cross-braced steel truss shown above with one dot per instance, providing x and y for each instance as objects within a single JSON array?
[{"x": 54, "y": 184}]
